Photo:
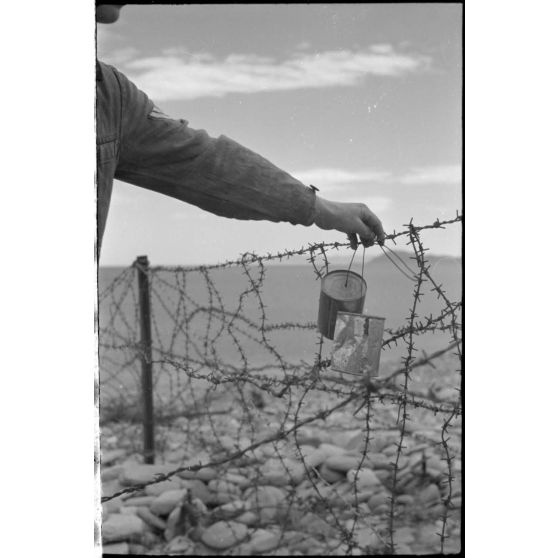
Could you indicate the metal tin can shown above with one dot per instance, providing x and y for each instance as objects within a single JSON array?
[
  {"x": 341, "y": 290},
  {"x": 358, "y": 345}
]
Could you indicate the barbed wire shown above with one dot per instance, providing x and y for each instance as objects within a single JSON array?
[{"x": 214, "y": 341}]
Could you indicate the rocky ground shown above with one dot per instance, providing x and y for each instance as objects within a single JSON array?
[{"x": 298, "y": 496}]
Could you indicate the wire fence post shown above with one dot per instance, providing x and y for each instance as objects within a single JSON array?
[{"x": 142, "y": 266}]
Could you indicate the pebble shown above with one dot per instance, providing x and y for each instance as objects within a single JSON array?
[
  {"x": 206, "y": 474},
  {"x": 111, "y": 487},
  {"x": 220, "y": 485},
  {"x": 314, "y": 525},
  {"x": 343, "y": 462},
  {"x": 174, "y": 527},
  {"x": 263, "y": 541},
  {"x": 304, "y": 450},
  {"x": 116, "y": 548},
  {"x": 381, "y": 509},
  {"x": 377, "y": 500},
  {"x": 111, "y": 473},
  {"x": 195, "y": 533},
  {"x": 305, "y": 544},
  {"x": 176, "y": 439},
  {"x": 330, "y": 449},
  {"x": 112, "y": 506},
  {"x": 230, "y": 510},
  {"x": 166, "y": 502},
  {"x": 181, "y": 544},
  {"x": 367, "y": 538},
  {"x": 175, "y": 456},
  {"x": 315, "y": 458},
  {"x": 436, "y": 509},
  {"x": 277, "y": 476},
  {"x": 201, "y": 457},
  {"x": 240, "y": 480},
  {"x": 292, "y": 537},
  {"x": 109, "y": 457},
  {"x": 364, "y": 495},
  {"x": 150, "y": 518},
  {"x": 160, "y": 487},
  {"x": 378, "y": 461},
  {"x": 364, "y": 479},
  {"x": 403, "y": 535},
  {"x": 283, "y": 551},
  {"x": 428, "y": 536},
  {"x": 390, "y": 450},
  {"x": 198, "y": 490},
  {"x": 224, "y": 534},
  {"x": 121, "y": 527},
  {"x": 344, "y": 438},
  {"x": 142, "y": 473},
  {"x": 437, "y": 464},
  {"x": 128, "y": 510},
  {"x": 221, "y": 498},
  {"x": 248, "y": 518},
  {"x": 296, "y": 471},
  {"x": 330, "y": 475},
  {"x": 376, "y": 443},
  {"x": 139, "y": 501},
  {"x": 266, "y": 501},
  {"x": 384, "y": 475},
  {"x": 405, "y": 499},
  {"x": 309, "y": 437},
  {"x": 429, "y": 494}
]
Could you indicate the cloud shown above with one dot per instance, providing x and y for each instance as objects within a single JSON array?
[
  {"x": 330, "y": 177},
  {"x": 180, "y": 75},
  {"x": 375, "y": 203},
  {"x": 342, "y": 179},
  {"x": 443, "y": 174}
]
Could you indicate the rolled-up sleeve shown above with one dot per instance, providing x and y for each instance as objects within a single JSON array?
[{"x": 216, "y": 174}]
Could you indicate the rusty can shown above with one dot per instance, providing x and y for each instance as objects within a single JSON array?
[
  {"x": 358, "y": 345},
  {"x": 341, "y": 290}
]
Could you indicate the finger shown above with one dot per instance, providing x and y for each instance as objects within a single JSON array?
[
  {"x": 368, "y": 241},
  {"x": 375, "y": 226},
  {"x": 353, "y": 240}
]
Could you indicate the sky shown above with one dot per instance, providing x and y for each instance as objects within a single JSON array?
[{"x": 361, "y": 100}]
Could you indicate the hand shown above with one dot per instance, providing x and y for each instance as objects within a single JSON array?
[{"x": 350, "y": 218}]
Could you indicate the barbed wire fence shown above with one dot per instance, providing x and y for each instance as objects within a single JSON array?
[{"x": 218, "y": 365}]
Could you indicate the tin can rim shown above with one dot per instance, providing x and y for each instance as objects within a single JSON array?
[{"x": 343, "y": 272}]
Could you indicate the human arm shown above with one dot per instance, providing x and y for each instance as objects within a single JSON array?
[{"x": 219, "y": 175}]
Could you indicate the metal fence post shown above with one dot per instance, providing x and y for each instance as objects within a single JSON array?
[{"x": 142, "y": 266}]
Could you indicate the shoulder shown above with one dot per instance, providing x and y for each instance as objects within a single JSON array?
[
  {"x": 108, "y": 72},
  {"x": 118, "y": 84}
]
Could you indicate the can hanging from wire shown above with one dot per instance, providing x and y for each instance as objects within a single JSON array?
[{"x": 357, "y": 347}]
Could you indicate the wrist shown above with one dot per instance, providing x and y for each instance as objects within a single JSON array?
[{"x": 323, "y": 215}]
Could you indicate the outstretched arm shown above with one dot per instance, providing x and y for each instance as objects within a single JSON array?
[{"x": 219, "y": 175}]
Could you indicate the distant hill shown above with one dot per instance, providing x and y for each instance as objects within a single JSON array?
[{"x": 381, "y": 259}]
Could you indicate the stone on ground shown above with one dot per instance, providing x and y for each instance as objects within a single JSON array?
[
  {"x": 116, "y": 548},
  {"x": 160, "y": 487},
  {"x": 142, "y": 473},
  {"x": 166, "y": 502},
  {"x": 121, "y": 527},
  {"x": 151, "y": 519},
  {"x": 224, "y": 534}
]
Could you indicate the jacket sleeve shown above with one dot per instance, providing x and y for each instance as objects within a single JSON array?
[{"x": 217, "y": 175}]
